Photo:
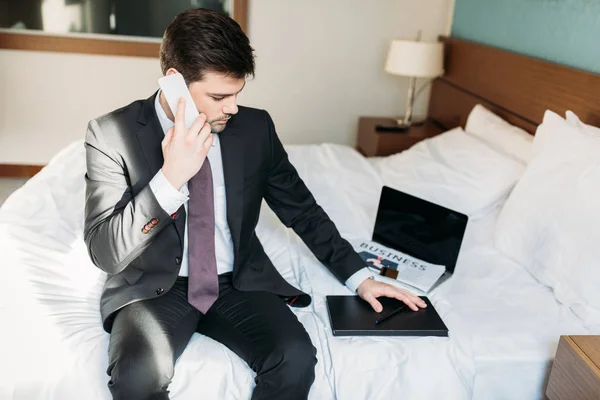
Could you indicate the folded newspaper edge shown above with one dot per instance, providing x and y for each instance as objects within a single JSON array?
[{"x": 411, "y": 271}]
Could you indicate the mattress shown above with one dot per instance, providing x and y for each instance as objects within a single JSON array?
[{"x": 504, "y": 326}]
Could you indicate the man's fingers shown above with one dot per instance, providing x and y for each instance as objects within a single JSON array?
[
  {"x": 197, "y": 125},
  {"x": 180, "y": 114},
  {"x": 208, "y": 142},
  {"x": 370, "y": 298},
  {"x": 205, "y": 132},
  {"x": 411, "y": 300},
  {"x": 167, "y": 139},
  {"x": 414, "y": 298}
]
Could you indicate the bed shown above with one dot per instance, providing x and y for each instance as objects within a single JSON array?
[{"x": 504, "y": 324}]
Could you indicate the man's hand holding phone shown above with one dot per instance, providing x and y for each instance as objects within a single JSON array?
[{"x": 184, "y": 150}]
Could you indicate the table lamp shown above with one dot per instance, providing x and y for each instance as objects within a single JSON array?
[{"x": 414, "y": 59}]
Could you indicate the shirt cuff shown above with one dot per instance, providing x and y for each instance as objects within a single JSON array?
[
  {"x": 359, "y": 277},
  {"x": 169, "y": 198}
]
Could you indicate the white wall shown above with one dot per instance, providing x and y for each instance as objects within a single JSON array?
[
  {"x": 319, "y": 67},
  {"x": 47, "y": 99}
]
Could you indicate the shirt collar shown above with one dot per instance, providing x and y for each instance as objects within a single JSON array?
[{"x": 165, "y": 122}]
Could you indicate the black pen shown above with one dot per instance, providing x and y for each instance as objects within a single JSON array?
[{"x": 396, "y": 311}]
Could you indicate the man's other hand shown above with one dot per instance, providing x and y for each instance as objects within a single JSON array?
[{"x": 371, "y": 289}]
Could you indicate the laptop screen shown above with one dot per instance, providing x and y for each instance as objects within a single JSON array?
[{"x": 419, "y": 228}]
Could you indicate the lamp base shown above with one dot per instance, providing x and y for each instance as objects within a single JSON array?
[{"x": 413, "y": 121}]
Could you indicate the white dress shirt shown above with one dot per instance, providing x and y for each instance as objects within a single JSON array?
[{"x": 170, "y": 199}]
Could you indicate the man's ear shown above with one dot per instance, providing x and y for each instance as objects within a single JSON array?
[{"x": 171, "y": 71}]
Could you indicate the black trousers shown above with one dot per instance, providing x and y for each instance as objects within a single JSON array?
[{"x": 148, "y": 336}]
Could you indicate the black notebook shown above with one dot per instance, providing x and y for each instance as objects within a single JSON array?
[{"x": 352, "y": 316}]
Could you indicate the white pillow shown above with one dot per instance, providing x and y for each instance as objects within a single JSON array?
[
  {"x": 574, "y": 120},
  {"x": 454, "y": 170},
  {"x": 550, "y": 222},
  {"x": 497, "y": 132}
]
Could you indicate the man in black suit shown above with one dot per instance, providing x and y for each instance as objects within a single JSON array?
[{"x": 171, "y": 215}]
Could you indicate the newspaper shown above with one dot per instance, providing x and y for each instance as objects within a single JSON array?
[{"x": 411, "y": 271}]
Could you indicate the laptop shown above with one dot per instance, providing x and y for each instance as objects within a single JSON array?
[
  {"x": 430, "y": 237},
  {"x": 352, "y": 316},
  {"x": 424, "y": 231}
]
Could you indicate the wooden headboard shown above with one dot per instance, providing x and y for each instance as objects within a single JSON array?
[{"x": 516, "y": 87}]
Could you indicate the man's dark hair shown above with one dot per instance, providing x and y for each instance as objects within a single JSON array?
[{"x": 199, "y": 40}]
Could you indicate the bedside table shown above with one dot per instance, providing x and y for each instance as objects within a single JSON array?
[
  {"x": 372, "y": 143},
  {"x": 576, "y": 369}
]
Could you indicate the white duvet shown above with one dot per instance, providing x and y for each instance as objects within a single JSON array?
[{"x": 504, "y": 326}]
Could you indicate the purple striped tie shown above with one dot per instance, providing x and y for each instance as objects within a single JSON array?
[{"x": 203, "y": 284}]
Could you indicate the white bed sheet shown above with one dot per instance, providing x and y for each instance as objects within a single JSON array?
[{"x": 504, "y": 325}]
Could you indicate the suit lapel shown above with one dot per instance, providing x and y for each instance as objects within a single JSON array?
[
  {"x": 150, "y": 136},
  {"x": 232, "y": 154}
]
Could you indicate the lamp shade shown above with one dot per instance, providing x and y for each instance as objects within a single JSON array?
[{"x": 415, "y": 59}]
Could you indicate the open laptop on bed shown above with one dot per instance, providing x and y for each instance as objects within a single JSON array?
[{"x": 414, "y": 241}]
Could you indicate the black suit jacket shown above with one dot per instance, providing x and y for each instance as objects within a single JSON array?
[{"x": 140, "y": 246}]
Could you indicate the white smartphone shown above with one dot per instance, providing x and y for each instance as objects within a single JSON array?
[{"x": 174, "y": 87}]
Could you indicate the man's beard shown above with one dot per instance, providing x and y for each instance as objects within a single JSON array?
[{"x": 216, "y": 127}]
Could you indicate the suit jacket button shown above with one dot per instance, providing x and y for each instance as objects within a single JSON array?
[
  {"x": 159, "y": 291},
  {"x": 177, "y": 260}
]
